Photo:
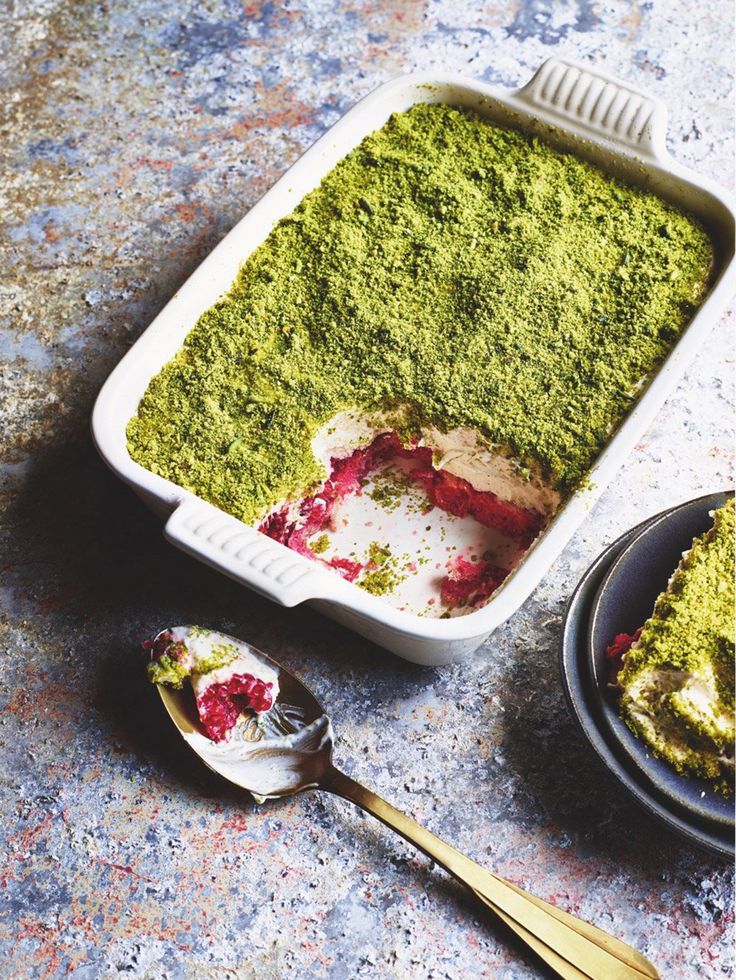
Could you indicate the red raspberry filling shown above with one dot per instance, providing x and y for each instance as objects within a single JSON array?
[
  {"x": 221, "y": 704},
  {"x": 468, "y": 582},
  {"x": 349, "y": 570},
  {"x": 456, "y": 496},
  {"x": 615, "y": 653},
  {"x": 315, "y": 513},
  {"x": 471, "y": 582},
  {"x": 164, "y": 643}
]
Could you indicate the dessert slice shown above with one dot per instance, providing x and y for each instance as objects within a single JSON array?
[
  {"x": 228, "y": 679},
  {"x": 676, "y": 674}
]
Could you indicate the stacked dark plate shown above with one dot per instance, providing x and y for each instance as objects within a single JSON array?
[{"x": 617, "y": 595}]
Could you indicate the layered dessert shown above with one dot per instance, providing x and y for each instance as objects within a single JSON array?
[
  {"x": 455, "y": 320},
  {"x": 229, "y": 680},
  {"x": 247, "y": 731},
  {"x": 675, "y": 675}
]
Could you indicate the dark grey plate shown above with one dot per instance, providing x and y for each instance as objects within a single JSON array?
[
  {"x": 624, "y": 601},
  {"x": 585, "y": 705}
]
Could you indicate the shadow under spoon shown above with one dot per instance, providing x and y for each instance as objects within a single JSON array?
[{"x": 291, "y": 750}]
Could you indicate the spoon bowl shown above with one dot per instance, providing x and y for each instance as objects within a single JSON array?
[{"x": 289, "y": 748}]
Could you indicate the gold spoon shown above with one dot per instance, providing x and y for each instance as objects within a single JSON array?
[{"x": 290, "y": 749}]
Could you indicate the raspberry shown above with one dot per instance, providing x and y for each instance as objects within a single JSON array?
[
  {"x": 221, "y": 704},
  {"x": 349, "y": 570},
  {"x": 456, "y": 496},
  {"x": 470, "y": 582},
  {"x": 615, "y": 653}
]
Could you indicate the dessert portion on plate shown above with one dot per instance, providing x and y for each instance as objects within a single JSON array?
[
  {"x": 459, "y": 315},
  {"x": 675, "y": 675},
  {"x": 228, "y": 679}
]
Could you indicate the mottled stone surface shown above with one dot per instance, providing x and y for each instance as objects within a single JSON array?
[{"x": 134, "y": 136}]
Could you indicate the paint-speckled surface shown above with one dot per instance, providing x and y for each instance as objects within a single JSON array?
[{"x": 134, "y": 136}]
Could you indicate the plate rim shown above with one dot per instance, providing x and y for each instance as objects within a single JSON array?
[
  {"x": 634, "y": 748},
  {"x": 576, "y": 610}
]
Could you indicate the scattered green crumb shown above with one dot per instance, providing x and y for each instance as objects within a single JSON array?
[
  {"x": 320, "y": 544},
  {"x": 381, "y": 581},
  {"x": 219, "y": 656},
  {"x": 384, "y": 573},
  {"x": 385, "y": 498},
  {"x": 387, "y": 494},
  {"x": 470, "y": 274},
  {"x": 172, "y": 668},
  {"x": 199, "y": 631},
  {"x": 390, "y": 489},
  {"x": 378, "y": 554}
]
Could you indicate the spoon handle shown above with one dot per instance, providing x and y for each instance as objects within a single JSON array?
[{"x": 571, "y": 947}]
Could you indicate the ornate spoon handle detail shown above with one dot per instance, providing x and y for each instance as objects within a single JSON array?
[{"x": 573, "y": 948}]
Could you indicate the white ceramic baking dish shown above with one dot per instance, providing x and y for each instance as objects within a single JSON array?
[{"x": 572, "y": 106}]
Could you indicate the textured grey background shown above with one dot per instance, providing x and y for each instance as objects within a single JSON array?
[{"x": 134, "y": 136}]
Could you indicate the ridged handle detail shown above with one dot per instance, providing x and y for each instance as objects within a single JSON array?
[
  {"x": 599, "y": 106},
  {"x": 241, "y": 552}
]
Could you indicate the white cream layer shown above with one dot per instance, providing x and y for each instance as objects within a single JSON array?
[
  {"x": 461, "y": 452},
  {"x": 696, "y": 697},
  {"x": 202, "y": 644},
  {"x": 275, "y": 765}
]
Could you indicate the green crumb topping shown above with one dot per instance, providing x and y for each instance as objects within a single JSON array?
[
  {"x": 469, "y": 275},
  {"x": 320, "y": 544},
  {"x": 219, "y": 656},
  {"x": 168, "y": 669},
  {"x": 678, "y": 679},
  {"x": 383, "y": 575},
  {"x": 177, "y": 663}
]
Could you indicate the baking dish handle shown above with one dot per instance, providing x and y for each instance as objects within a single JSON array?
[
  {"x": 242, "y": 553},
  {"x": 595, "y": 104}
]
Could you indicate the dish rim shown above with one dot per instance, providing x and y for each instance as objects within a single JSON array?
[{"x": 276, "y": 571}]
